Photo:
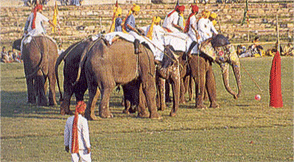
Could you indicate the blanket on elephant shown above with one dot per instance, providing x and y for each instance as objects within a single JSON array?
[{"x": 156, "y": 49}]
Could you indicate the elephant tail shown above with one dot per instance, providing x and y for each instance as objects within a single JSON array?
[
  {"x": 61, "y": 57},
  {"x": 83, "y": 59},
  {"x": 58, "y": 61}
]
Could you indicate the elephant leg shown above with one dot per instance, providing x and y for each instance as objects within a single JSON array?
[
  {"x": 65, "y": 104},
  {"x": 142, "y": 113},
  {"x": 211, "y": 88},
  {"x": 175, "y": 77},
  {"x": 161, "y": 94},
  {"x": 148, "y": 83},
  {"x": 40, "y": 81},
  {"x": 127, "y": 99},
  {"x": 93, "y": 97},
  {"x": 104, "y": 111},
  {"x": 190, "y": 89},
  {"x": 52, "y": 94},
  {"x": 167, "y": 91},
  {"x": 182, "y": 91},
  {"x": 199, "y": 91},
  {"x": 31, "y": 91}
]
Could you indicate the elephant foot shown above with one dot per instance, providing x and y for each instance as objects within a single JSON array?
[
  {"x": 53, "y": 104},
  {"x": 62, "y": 112},
  {"x": 91, "y": 116},
  {"x": 201, "y": 107},
  {"x": 155, "y": 115},
  {"x": 182, "y": 101},
  {"x": 172, "y": 114},
  {"x": 214, "y": 105},
  {"x": 126, "y": 111},
  {"x": 162, "y": 108},
  {"x": 106, "y": 115},
  {"x": 42, "y": 104},
  {"x": 143, "y": 115}
]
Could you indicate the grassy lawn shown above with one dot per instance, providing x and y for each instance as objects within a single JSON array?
[{"x": 240, "y": 130}]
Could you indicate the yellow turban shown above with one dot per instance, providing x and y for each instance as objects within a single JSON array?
[
  {"x": 136, "y": 8},
  {"x": 157, "y": 19},
  {"x": 213, "y": 15}
]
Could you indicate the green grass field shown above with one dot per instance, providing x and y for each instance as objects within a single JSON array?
[{"x": 240, "y": 130}]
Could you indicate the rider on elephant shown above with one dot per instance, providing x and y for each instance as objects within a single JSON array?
[
  {"x": 130, "y": 26},
  {"x": 171, "y": 21},
  {"x": 205, "y": 27},
  {"x": 191, "y": 29},
  {"x": 155, "y": 33},
  {"x": 33, "y": 25},
  {"x": 212, "y": 18}
]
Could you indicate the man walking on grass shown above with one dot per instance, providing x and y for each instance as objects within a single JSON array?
[{"x": 76, "y": 135}]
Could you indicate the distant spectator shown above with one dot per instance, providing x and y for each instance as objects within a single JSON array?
[
  {"x": 60, "y": 49},
  {"x": 4, "y": 55},
  {"x": 288, "y": 50},
  {"x": 76, "y": 2}
]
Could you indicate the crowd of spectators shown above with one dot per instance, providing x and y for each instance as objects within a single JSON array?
[{"x": 10, "y": 56}]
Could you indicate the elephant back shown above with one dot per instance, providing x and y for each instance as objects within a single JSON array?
[{"x": 219, "y": 41}]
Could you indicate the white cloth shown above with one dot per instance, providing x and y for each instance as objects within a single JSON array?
[
  {"x": 191, "y": 32},
  {"x": 157, "y": 40},
  {"x": 131, "y": 36},
  {"x": 82, "y": 155},
  {"x": 83, "y": 136},
  {"x": 38, "y": 26},
  {"x": 172, "y": 19},
  {"x": 205, "y": 29}
]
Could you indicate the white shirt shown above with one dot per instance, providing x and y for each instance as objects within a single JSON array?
[
  {"x": 83, "y": 133},
  {"x": 191, "y": 32},
  {"x": 205, "y": 29},
  {"x": 172, "y": 19},
  {"x": 38, "y": 26}
]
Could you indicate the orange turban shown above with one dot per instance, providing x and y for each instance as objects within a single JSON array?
[
  {"x": 181, "y": 8},
  {"x": 38, "y": 7},
  {"x": 194, "y": 8},
  {"x": 81, "y": 107}
]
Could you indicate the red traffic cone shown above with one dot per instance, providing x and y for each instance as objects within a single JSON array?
[{"x": 276, "y": 99}]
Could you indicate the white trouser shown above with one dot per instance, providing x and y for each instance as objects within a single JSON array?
[{"x": 82, "y": 155}]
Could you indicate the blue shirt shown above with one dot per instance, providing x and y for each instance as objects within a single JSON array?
[
  {"x": 118, "y": 27},
  {"x": 131, "y": 21}
]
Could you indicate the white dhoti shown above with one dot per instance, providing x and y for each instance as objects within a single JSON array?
[{"x": 81, "y": 156}]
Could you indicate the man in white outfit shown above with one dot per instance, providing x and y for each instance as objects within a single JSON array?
[
  {"x": 156, "y": 35},
  {"x": 205, "y": 27},
  {"x": 33, "y": 25},
  {"x": 191, "y": 29},
  {"x": 76, "y": 135},
  {"x": 171, "y": 21}
]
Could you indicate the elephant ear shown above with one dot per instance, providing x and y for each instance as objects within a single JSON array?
[{"x": 219, "y": 41}]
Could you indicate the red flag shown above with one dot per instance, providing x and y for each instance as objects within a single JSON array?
[{"x": 276, "y": 99}]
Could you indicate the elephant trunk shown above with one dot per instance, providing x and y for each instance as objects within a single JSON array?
[{"x": 235, "y": 63}]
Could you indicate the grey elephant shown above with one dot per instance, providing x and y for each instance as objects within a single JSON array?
[
  {"x": 219, "y": 50},
  {"x": 38, "y": 55},
  {"x": 108, "y": 66},
  {"x": 71, "y": 57}
]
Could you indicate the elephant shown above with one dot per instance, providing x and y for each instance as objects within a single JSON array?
[
  {"x": 38, "y": 54},
  {"x": 202, "y": 73},
  {"x": 168, "y": 71},
  {"x": 71, "y": 57},
  {"x": 107, "y": 66}
]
